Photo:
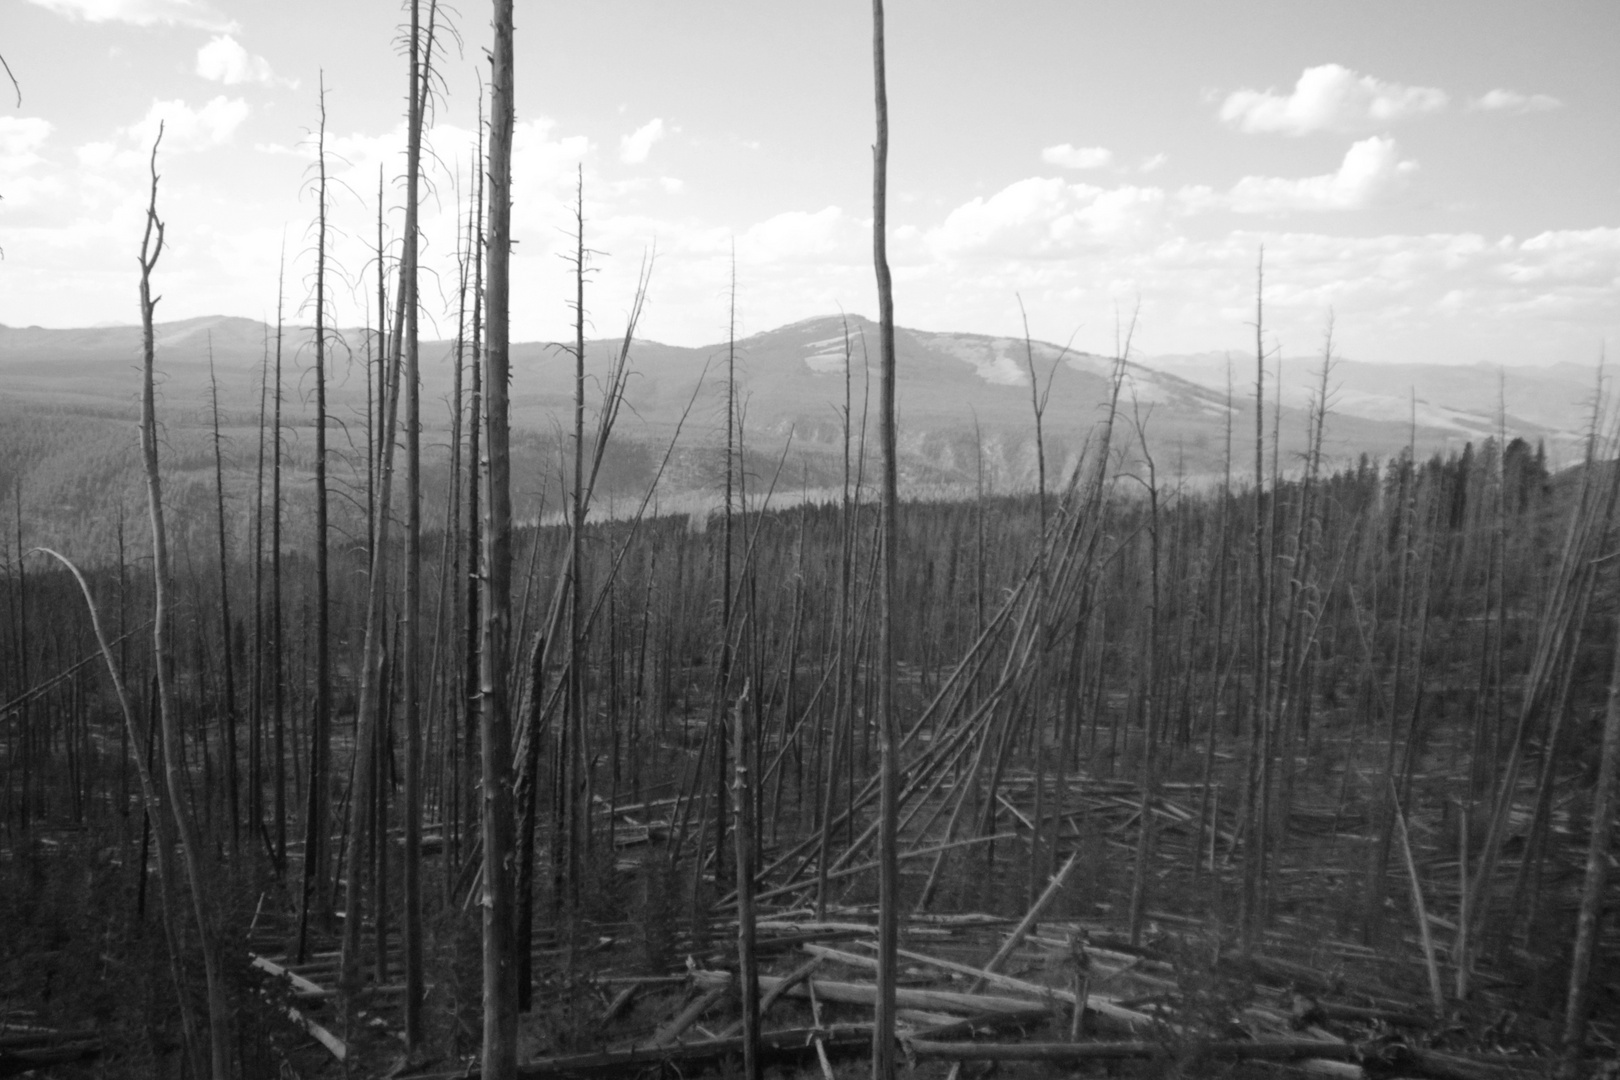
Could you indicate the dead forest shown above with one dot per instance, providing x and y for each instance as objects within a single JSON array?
[{"x": 1309, "y": 768}]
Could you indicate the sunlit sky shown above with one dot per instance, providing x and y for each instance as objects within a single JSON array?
[{"x": 1444, "y": 176}]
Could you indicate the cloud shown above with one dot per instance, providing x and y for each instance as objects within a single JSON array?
[
  {"x": 194, "y": 13},
  {"x": 1370, "y": 168},
  {"x": 1329, "y": 97},
  {"x": 185, "y": 128},
  {"x": 1151, "y": 164},
  {"x": 797, "y": 236},
  {"x": 1511, "y": 101},
  {"x": 1048, "y": 218},
  {"x": 634, "y": 147},
  {"x": 20, "y": 137},
  {"x": 224, "y": 60},
  {"x": 93, "y": 155},
  {"x": 1078, "y": 157}
]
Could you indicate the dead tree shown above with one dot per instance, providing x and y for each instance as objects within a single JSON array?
[
  {"x": 320, "y": 741},
  {"x": 500, "y": 969},
  {"x": 228, "y": 713},
  {"x": 191, "y": 848},
  {"x": 883, "y": 1045}
]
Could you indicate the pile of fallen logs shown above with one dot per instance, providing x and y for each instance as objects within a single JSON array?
[{"x": 1065, "y": 993}]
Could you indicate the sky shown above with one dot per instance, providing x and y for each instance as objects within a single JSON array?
[{"x": 1443, "y": 178}]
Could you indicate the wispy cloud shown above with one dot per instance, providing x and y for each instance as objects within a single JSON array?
[
  {"x": 634, "y": 147},
  {"x": 1511, "y": 101},
  {"x": 194, "y": 13},
  {"x": 1078, "y": 157},
  {"x": 1329, "y": 97}
]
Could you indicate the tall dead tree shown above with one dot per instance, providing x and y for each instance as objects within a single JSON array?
[
  {"x": 1255, "y": 836},
  {"x": 313, "y": 890},
  {"x": 421, "y": 61},
  {"x": 369, "y": 705},
  {"x": 883, "y": 1044},
  {"x": 191, "y": 848},
  {"x": 227, "y": 716},
  {"x": 500, "y": 968},
  {"x": 277, "y": 669},
  {"x": 571, "y": 766}
]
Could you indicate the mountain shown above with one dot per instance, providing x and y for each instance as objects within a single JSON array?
[
  {"x": 68, "y": 401},
  {"x": 1461, "y": 401}
]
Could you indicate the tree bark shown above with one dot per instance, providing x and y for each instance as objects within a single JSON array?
[{"x": 500, "y": 983}]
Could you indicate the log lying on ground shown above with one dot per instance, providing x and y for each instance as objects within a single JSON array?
[
  {"x": 1385, "y": 1060},
  {"x": 1095, "y": 1003},
  {"x": 773, "y": 1046},
  {"x": 906, "y": 997},
  {"x": 26, "y": 1051},
  {"x": 304, "y": 988},
  {"x": 1281, "y": 1050}
]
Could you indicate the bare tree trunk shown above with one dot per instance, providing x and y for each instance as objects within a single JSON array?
[
  {"x": 500, "y": 983},
  {"x": 256, "y": 702},
  {"x": 883, "y": 1038},
  {"x": 747, "y": 962},
  {"x": 1589, "y": 920},
  {"x": 1255, "y": 833},
  {"x": 365, "y": 799},
  {"x": 317, "y": 810},
  {"x": 190, "y": 840},
  {"x": 421, "y": 72},
  {"x": 228, "y": 714},
  {"x": 570, "y": 768},
  {"x": 157, "y": 820},
  {"x": 473, "y": 629},
  {"x": 277, "y": 699}
]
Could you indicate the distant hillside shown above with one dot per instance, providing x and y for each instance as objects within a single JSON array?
[{"x": 68, "y": 404}]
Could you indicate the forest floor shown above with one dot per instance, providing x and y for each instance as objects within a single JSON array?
[{"x": 1324, "y": 990}]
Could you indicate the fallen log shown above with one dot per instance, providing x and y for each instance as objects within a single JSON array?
[
  {"x": 790, "y": 1044},
  {"x": 1100, "y": 1005},
  {"x": 19, "y": 1060},
  {"x": 1281, "y": 1050},
  {"x": 304, "y": 988},
  {"x": 907, "y": 997},
  {"x": 693, "y": 1012}
]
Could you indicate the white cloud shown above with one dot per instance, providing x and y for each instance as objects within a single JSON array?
[
  {"x": 94, "y": 155},
  {"x": 634, "y": 147},
  {"x": 1153, "y": 163},
  {"x": 185, "y": 128},
  {"x": 1047, "y": 218},
  {"x": 224, "y": 60},
  {"x": 1078, "y": 157},
  {"x": 796, "y": 236},
  {"x": 20, "y": 137},
  {"x": 193, "y": 13},
  {"x": 1370, "y": 168},
  {"x": 1329, "y": 97},
  {"x": 1511, "y": 101}
]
